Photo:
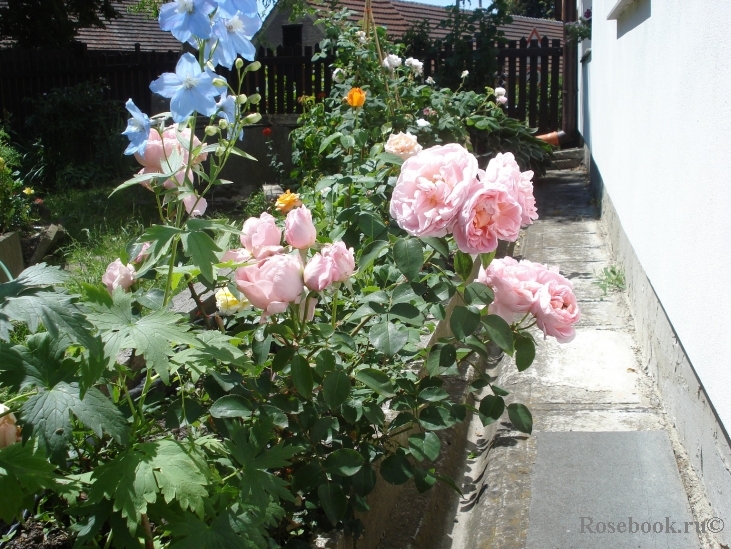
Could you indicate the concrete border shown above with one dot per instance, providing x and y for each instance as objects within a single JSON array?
[{"x": 684, "y": 398}]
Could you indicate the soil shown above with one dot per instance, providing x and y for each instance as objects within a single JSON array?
[{"x": 32, "y": 536}]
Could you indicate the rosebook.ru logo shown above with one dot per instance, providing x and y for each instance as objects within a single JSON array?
[{"x": 666, "y": 526}]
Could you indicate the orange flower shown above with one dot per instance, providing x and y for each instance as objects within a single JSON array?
[
  {"x": 287, "y": 201},
  {"x": 356, "y": 97}
]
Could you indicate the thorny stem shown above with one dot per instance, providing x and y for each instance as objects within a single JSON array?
[
  {"x": 335, "y": 308},
  {"x": 199, "y": 304},
  {"x": 149, "y": 543}
]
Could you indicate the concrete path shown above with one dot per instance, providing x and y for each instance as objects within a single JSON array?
[{"x": 601, "y": 446}]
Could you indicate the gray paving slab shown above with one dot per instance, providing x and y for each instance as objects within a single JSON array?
[{"x": 617, "y": 490}]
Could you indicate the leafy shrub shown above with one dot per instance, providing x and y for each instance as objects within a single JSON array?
[
  {"x": 15, "y": 197},
  {"x": 76, "y": 137}
]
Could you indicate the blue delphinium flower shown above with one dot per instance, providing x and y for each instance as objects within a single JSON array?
[
  {"x": 227, "y": 110},
  {"x": 189, "y": 89},
  {"x": 186, "y": 18},
  {"x": 230, "y": 7},
  {"x": 138, "y": 129},
  {"x": 234, "y": 38}
]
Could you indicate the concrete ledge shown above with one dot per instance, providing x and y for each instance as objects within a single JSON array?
[
  {"x": 663, "y": 357},
  {"x": 11, "y": 254}
]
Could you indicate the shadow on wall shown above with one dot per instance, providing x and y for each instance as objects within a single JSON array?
[{"x": 639, "y": 12}]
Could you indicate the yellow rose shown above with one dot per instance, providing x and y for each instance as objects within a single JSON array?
[
  {"x": 287, "y": 201},
  {"x": 28, "y": 191},
  {"x": 356, "y": 97},
  {"x": 227, "y": 303}
]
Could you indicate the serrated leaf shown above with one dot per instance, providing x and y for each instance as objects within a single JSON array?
[
  {"x": 520, "y": 417},
  {"x": 374, "y": 413},
  {"x": 499, "y": 332},
  {"x": 477, "y": 292},
  {"x": 388, "y": 338},
  {"x": 329, "y": 139},
  {"x": 441, "y": 356},
  {"x": 307, "y": 477},
  {"x": 344, "y": 462},
  {"x": 491, "y": 408},
  {"x": 193, "y": 533},
  {"x": 23, "y": 473},
  {"x": 438, "y": 244},
  {"x": 370, "y": 224},
  {"x": 370, "y": 253},
  {"x": 333, "y": 501},
  {"x": 433, "y": 394},
  {"x": 396, "y": 469},
  {"x": 232, "y": 406},
  {"x": 436, "y": 417},
  {"x": 424, "y": 480},
  {"x": 201, "y": 249},
  {"x": 525, "y": 352},
  {"x": 302, "y": 376},
  {"x": 336, "y": 388},
  {"x": 376, "y": 380},
  {"x": 409, "y": 256},
  {"x": 463, "y": 265},
  {"x": 46, "y": 415},
  {"x": 464, "y": 321},
  {"x": 425, "y": 446}
]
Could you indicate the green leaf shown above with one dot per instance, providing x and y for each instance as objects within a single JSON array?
[
  {"x": 499, "y": 331},
  {"x": 344, "y": 462},
  {"x": 302, "y": 376},
  {"x": 329, "y": 139},
  {"x": 23, "y": 473},
  {"x": 46, "y": 414},
  {"x": 433, "y": 394},
  {"x": 231, "y": 406},
  {"x": 376, "y": 380},
  {"x": 491, "y": 408},
  {"x": 153, "y": 336},
  {"x": 309, "y": 476},
  {"x": 525, "y": 352},
  {"x": 260, "y": 349},
  {"x": 160, "y": 238},
  {"x": 499, "y": 391},
  {"x": 134, "y": 479},
  {"x": 336, "y": 388},
  {"x": 201, "y": 249},
  {"x": 193, "y": 533},
  {"x": 388, "y": 338},
  {"x": 407, "y": 313},
  {"x": 464, "y": 321},
  {"x": 463, "y": 265},
  {"x": 396, "y": 469},
  {"x": 370, "y": 224},
  {"x": 520, "y": 417},
  {"x": 325, "y": 362},
  {"x": 409, "y": 256},
  {"x": 441, "y": 355},
  {"x": 282, "y": 358},
  {"x": 424, "y": 480},
  {"x": 425, "y": 446},
  {"x": 486, "y": 259},
  {"x": 390, "y": 158},
  {"x": 333, "y": 501},
  {"x": 438, "y": 244},
  {"x": 374, "y": 413},
  {"x": 436, "y": 417},
  {"x": 477, "y": 292}
]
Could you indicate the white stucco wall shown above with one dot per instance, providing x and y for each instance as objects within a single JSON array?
[{"x": 657, "y": 117}]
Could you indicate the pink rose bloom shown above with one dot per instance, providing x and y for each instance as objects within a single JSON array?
[
  {"x": 118, "y": 275},
  {"x": 158, "y": 150},
  {"x": 501, "y": 99},
  {"x": 195, "y": 205},
  {"x": 403, "y": 145},
  {"x": 299, "y": 231},
  {"x": 237, "y": 255},
  {"x": 143, "y": 254},
  {"x": 261, "y": 236},
  {"x": 514, "y": 285},
  {"x": 343, "y": 258},
  {"x": 8, "y": 428},
  {"x": 490, "y": 214},
  {"x": 556, "y": 311},
  {"x": 272, "y": 284},
  {"x": 334, "y": 263},
  {"x": 431, "y": 189},
  {"x": 503, "y": 169}
]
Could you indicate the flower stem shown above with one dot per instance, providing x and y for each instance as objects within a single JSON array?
[{"x": 335, "y": 308}]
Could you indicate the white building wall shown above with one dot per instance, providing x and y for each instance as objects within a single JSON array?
[{"x": 657, "y": 118}]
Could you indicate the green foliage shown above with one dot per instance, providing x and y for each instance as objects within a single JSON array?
[
  {"x": 539, "y": 9},
  {"x": 51, "y": 24},
  {"x": 15, "y": 197},
  {"x": 76, "y": 135},
  {"x": 610, "y": 278}
]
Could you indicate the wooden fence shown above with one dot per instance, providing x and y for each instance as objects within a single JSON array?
[{"x": 531, "y": 74}]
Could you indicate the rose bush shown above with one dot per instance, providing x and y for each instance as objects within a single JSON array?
[{"x": 270, "y": 418}]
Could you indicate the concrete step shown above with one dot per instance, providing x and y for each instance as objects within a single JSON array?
[
  {"x": 567, "y": 164},
  {"x": 575, "y": 153}
]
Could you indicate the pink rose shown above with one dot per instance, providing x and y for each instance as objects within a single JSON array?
[
  {"x": 556, "y": 311},
  {"x": 431, "y": 189},
  {"x": 195, "y": 205},
  {"x": 501, "y": 99},
  {"x": 514, "y": 285},
  {"x": 403, "y": 145},
  {"x": 158, "y": 150},
  {"x": 273, "y": 283},
  {"x": 334, "y": 263},
  {"x": 8, "y": 428},
  {"x": 261, "y": 236},
  {"x": 490, "y": 214},
  {"x": 299, "y": 231},
  {"x": 503, "y": 169},
  {"x": 143, "y": 253},
  {"x": 237, "y": 255},
  {"x": 118, "y": 275}
]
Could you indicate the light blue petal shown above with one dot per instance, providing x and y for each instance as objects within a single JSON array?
[
  {"x": 167, "y": 84},
  {"x": 204, "y": 104},
  {"x": 187, "y": 67},
  {"x": 170, "y": 17},
  {"x": 182, "y": 105},
  {"x": 199, "y": 24},
  {"x": 252, "y": 24},
  {"x": 244, "y": 47},
  {"x": 245, "y": 6}
]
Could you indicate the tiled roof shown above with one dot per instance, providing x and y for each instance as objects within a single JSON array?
[
  {"x": 122, "y": 33},
  {"x": 398, "y": 15}
]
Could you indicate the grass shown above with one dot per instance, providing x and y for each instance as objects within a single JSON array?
[{"x": 610, "y": 279}]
